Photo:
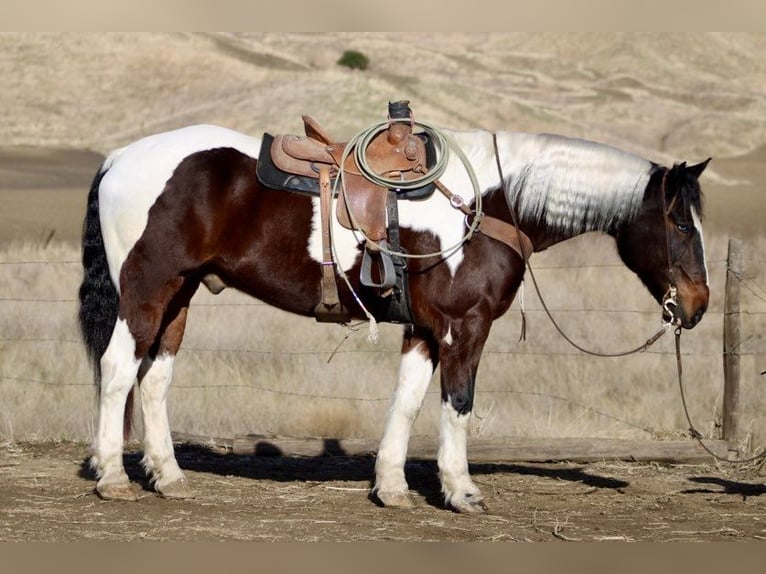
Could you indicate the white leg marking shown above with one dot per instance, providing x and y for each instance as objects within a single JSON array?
[
  {"x": 698, "y": 226},
  {"x": 119, "y": 368},
  {"x": 159, "y": 459},
  {"x": 415, "y": 373},
  {"x": 457, "y": 486}
]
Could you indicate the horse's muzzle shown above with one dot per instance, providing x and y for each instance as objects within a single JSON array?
[{"x": 692, "y": 303}]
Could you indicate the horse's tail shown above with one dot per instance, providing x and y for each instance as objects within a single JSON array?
[
  {"x": 99, "y": 299},
  {"x": 98, "y": 295}
]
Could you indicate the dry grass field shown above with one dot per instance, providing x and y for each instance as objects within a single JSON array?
[{"x": 682, "y": 97}]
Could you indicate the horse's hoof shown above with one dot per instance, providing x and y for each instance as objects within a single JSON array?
[
  {"x": 395, "y": 499},
  {"x": 177, "y": 490},
  {"x": 469, "y": 504},
  {"x": 119, "y": 491}
]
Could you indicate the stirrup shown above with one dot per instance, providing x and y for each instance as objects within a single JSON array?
[{"x": 385, "y": 266}]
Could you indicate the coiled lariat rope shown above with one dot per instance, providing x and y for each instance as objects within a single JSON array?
[{"x": 443, "y": 144}]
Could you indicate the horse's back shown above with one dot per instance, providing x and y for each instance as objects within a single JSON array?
[{"x": 136, "y": 175}]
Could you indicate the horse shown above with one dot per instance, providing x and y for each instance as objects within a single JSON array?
[{"x": 171, "y": 210}]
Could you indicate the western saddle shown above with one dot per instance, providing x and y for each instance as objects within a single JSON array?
[{"x": 312, "y": 163}]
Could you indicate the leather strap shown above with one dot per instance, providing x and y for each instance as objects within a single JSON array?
[
  {"x": 329, "y": 309},
  {"x": 492, "y": 227},
  {"x": 506, "y": 233}
]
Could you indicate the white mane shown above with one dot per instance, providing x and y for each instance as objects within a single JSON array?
[{"x": 571, "y": 185}]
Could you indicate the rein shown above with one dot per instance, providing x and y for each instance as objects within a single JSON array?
[
  {"x": 667, "y": 301},
  {"x": 670, "y": 300},
  {"x": 669, "y": 304},
  {"x": 696, "y": 435}
]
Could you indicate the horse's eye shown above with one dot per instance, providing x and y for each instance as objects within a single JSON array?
[{"x": 684, "y": 227}]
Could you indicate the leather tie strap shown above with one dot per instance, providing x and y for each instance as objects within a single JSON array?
[{"x": 329, "y": 309}]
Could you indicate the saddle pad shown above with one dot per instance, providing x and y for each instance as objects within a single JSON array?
[{"x": 275, "y": 178}]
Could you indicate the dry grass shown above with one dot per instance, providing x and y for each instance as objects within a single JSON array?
[{"x": 234, "y": 376}]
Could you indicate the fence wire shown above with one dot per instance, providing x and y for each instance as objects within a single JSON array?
[{"x": 748, "y": 283}]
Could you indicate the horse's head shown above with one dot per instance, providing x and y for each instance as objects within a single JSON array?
[{"x": 663, "y": 244}]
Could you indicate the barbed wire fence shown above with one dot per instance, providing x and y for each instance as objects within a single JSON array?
[{"x": 59, "y": 339}]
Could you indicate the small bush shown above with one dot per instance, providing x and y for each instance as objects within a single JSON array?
[{"x": 354, "y": 60}]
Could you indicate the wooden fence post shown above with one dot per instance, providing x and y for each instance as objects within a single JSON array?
[{"x": 731, "y": 343}]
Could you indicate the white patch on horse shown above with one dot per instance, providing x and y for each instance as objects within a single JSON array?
[
  {"x": 698, "y": 227},
  {"x": 571, "y": 185},
  {"x": 415, "y": 372},
  {"x": 137, "y": 176},
  {"x": 436, "y": 215},
  {"x": 344, "y": 243}
]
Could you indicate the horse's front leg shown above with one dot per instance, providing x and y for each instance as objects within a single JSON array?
[
  {"x": 460, "y": 355},
  {"x": 419, "y": 359}
]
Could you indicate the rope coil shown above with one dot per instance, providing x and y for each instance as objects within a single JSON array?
[{"x": 443, "y": 144}]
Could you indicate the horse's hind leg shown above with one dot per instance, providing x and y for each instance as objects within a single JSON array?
[
  {"x": 119, "y": 367},
  {"x": 159, "y": 459},
  {"x": 139, "y": 321},
  {"x": 419, "y": 359}
]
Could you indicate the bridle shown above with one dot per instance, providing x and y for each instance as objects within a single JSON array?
[
  {"x": 670, "y": 299},
  {"x": 668, "y": 303}
]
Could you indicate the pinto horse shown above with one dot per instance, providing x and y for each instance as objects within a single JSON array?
[{"x": 166, "y": 212}]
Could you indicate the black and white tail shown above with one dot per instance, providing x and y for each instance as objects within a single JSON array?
[{"x": 99, "y": 299}]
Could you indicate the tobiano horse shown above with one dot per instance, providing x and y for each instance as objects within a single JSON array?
[{"x": 170, "y": 210}]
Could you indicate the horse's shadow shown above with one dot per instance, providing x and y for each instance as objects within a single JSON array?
[
  {"x": 333, "y": 464},
  {"x": 743, "y": 489}
]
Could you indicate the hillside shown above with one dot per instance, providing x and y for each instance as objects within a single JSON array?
[{"x": 668, "y": 97}]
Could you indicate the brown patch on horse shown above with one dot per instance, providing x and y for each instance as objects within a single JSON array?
[
  {"x": 214, "y": 219},
  {"x": 465, "y": 305}
]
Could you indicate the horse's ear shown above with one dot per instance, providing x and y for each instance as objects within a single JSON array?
[
  {"x": 696, "y": 170},
  {"x": 675, "y": 175},
  {"x": 677, "y": 170}
]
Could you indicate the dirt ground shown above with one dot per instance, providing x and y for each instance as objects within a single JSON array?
[{"x": 46, "y": 494}]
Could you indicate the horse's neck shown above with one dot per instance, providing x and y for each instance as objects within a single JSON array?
[
  {"x": 541, "y": 234},
  {"x": 543, "y": 237}
]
